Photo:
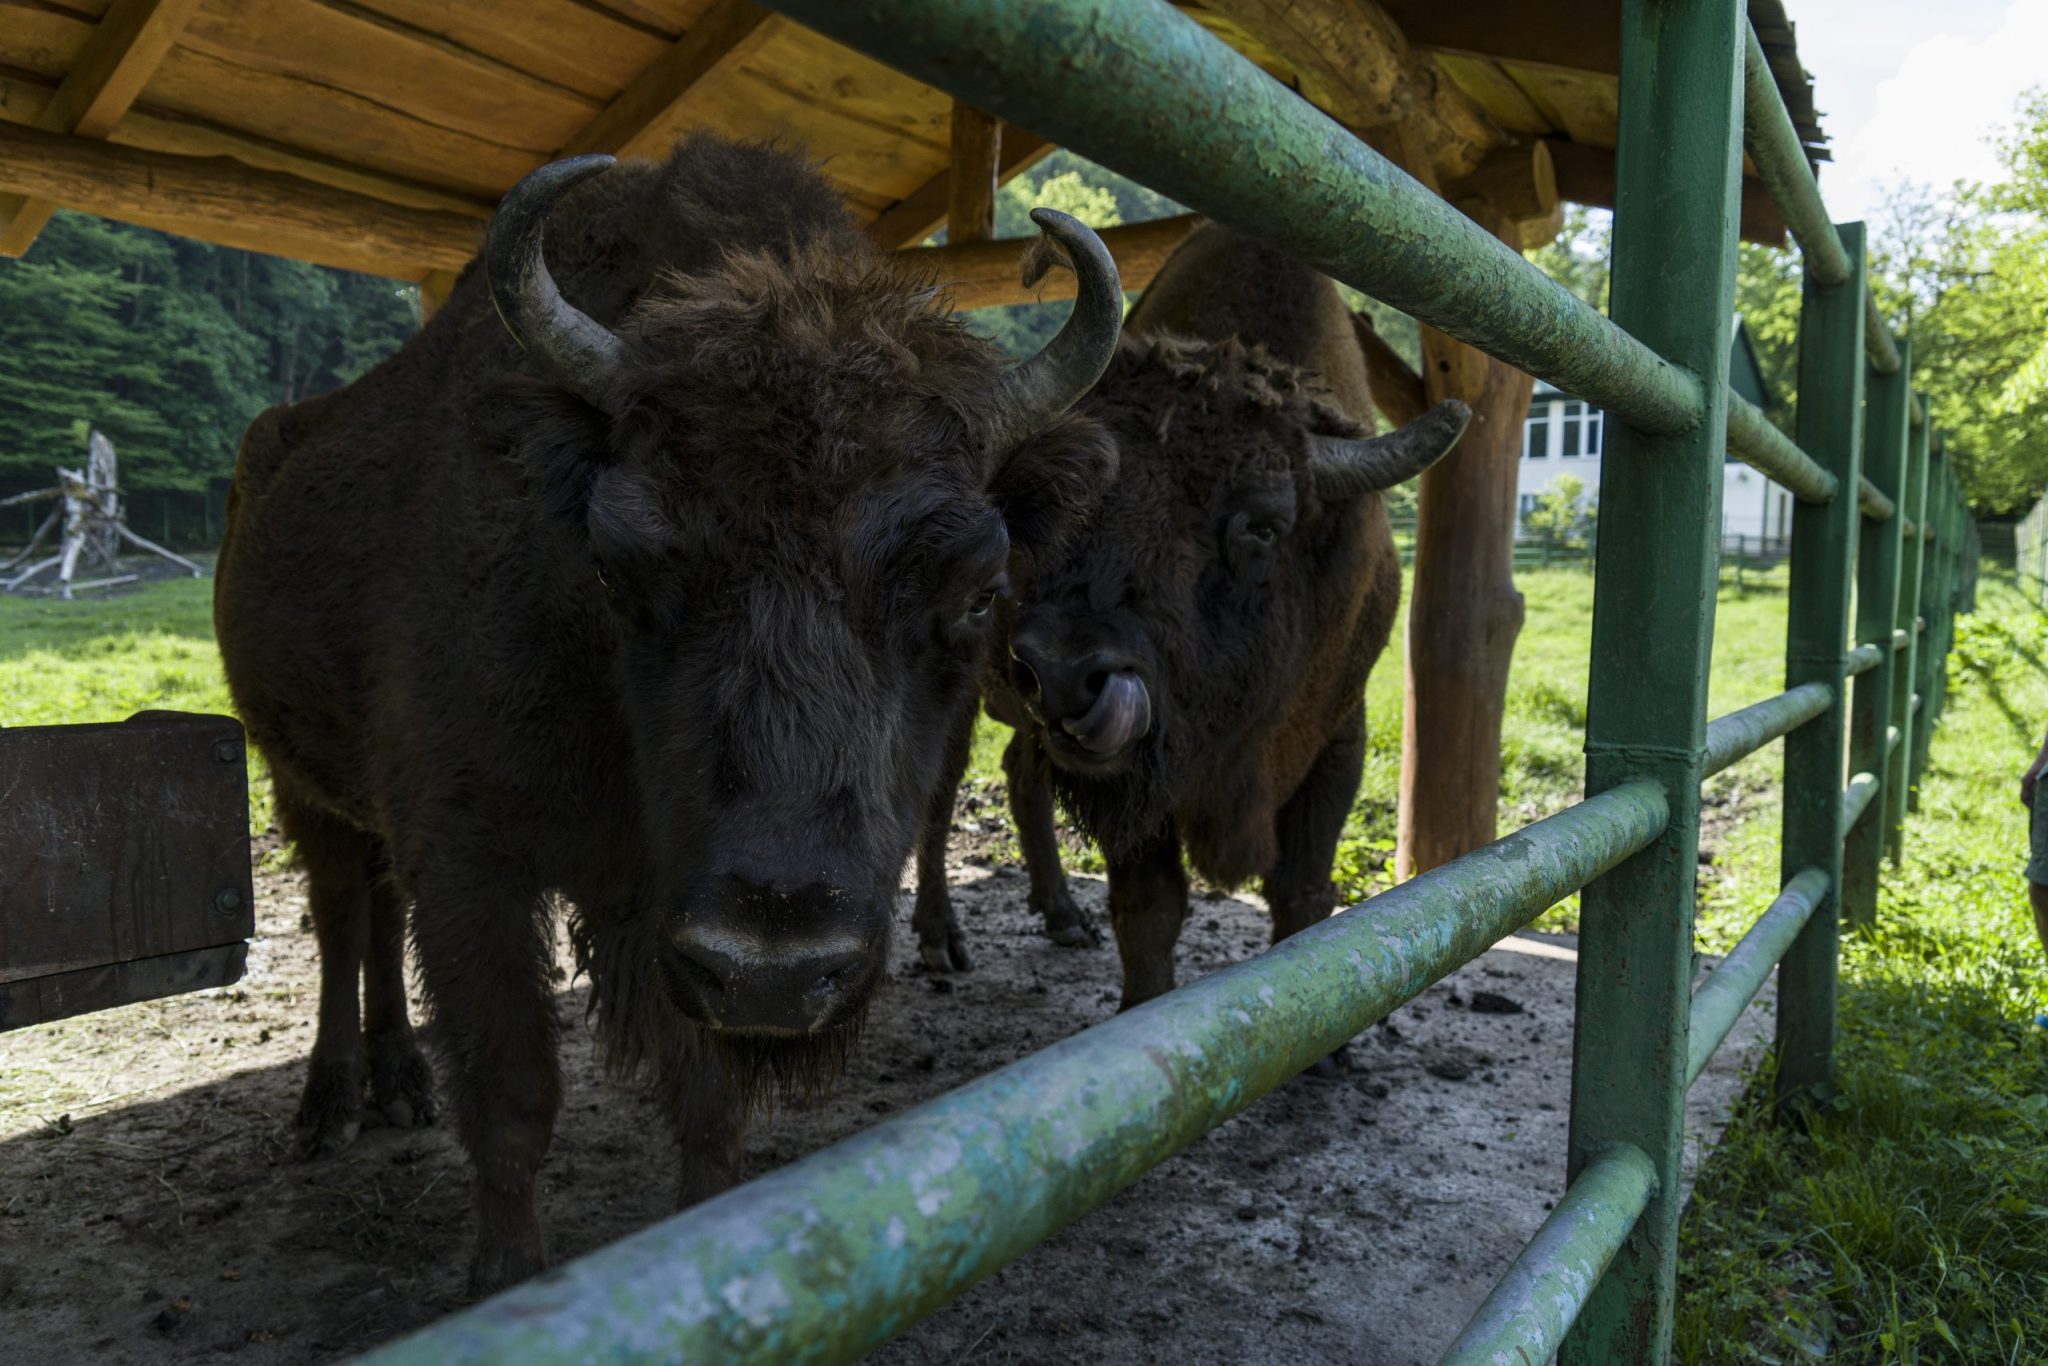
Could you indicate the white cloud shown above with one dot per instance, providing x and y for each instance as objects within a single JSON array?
[{"x": 1931, "y": 118}]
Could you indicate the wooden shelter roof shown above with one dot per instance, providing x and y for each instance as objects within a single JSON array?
[{"x": 377, "y": 134}]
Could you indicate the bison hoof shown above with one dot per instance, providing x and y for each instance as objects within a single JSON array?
[
  {"x": 1068, "y": 925},
  {"x": 947, "y": 956},
  {"x": 503, "y": 1265},
  {"x": 402, "y": 1084},
  {"x": 330, "y": 1108}
]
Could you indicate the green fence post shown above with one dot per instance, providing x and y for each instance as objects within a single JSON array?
[
  {"x": 1653, "y": 628},
  {"x": 1929, "y": 665},
  {"x": 1831, "y": 370},
  {"x": 1885, "y": 434},
  {"x": 1905, "y": 672}
]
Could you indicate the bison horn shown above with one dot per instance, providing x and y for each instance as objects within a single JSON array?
[
  {"x": 1345, "y": 467},
  {"x": 578, "y": 352},
  {"x": 1040, "y": 389}
]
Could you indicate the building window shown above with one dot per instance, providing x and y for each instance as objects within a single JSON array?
[
  {"x": 1527, "y": 506},
  {"x": 1574, "y": 423},
  {"x": 1596, "y": 423},
  {"x": 1536, "y": 434}
]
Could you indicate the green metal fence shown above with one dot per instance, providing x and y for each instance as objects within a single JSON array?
[{"x": 831, "y": 1255}]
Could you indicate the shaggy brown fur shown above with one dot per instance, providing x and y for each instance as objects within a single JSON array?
[
  {"x": 698, "y": 658},
  {"x": 1254, "y": 635}
]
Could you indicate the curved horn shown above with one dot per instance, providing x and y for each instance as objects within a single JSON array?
[
  {"x": 1040, "y": 389},
  {"x": 579, "y": 353},
  {"x": 1345, "y": 467}
]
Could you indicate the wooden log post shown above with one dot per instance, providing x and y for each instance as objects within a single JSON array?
[
  {"x": 1464, "y": 611},
  {"x": 971, "y": 189}
]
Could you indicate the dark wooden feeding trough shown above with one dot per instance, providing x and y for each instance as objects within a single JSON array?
[{"x": 124, "y": 863}]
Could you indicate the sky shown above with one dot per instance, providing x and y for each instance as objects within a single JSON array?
[{"x": 1911, "y": 89}]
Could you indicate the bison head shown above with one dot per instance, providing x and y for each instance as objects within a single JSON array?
[
  {"x": 800, "y": 487},
  {"x": 1159, "y": 653}
]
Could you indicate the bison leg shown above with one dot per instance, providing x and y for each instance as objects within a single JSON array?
[
  {"x": 1148, "y": 900},
  {"x": 1311, "y": 823},
  {"x": 485, "y": 960},
  {"x": 401, "y": 1083},
  {"x": 337, "y": 859},
  {"x": 1030, "y": 777},
  {"x": 939, "y": 941},
  {"x": 709, "y": 1122}
]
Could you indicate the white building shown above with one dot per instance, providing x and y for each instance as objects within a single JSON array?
[{"x": 1565, "y": 436}]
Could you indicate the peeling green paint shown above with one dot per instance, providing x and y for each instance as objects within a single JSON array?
[
  {"x": 1721, "y": 999},
  {"x": 827, "y": 1257},
  {"x": 1740, "y": 734},
  {"x": 1146, "y": 91},
  {"x": 1539, "y": 1296}
]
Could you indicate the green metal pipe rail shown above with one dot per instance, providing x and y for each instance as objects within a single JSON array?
[{"x": 829, "y": 1256}]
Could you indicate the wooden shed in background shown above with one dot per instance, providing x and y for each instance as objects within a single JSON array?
[{"x": 377, "y": 134}]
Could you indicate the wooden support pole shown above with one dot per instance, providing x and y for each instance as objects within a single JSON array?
[
  {"x": 1885, "y": 436},
  {"x": 1653, "y": 636},
  {"x": 1832, "y": 369},
  {"x": 435, "y": 287},
  {"x": 124, "y": 51},
  {"x": 1931, "y": 663},
  {"x": 923, "y": 211},
  {"x": 971, "y": 185}
]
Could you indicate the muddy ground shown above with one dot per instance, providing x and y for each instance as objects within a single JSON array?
[{"x": 151, "y": 1211}]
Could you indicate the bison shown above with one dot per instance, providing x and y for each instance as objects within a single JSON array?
[
  {"x": 658, "y": 602},
  {"x": 1190, "y": 671}
]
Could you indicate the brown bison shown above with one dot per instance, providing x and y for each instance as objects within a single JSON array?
[
  {"x": 1190, "y": 671},
  {"x": 660, "y": 601}
]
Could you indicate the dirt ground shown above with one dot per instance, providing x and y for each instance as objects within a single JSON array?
[{"x": 150, "y": 1209}]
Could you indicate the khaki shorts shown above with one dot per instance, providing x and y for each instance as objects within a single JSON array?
[{"x": 2037, "y": 861}]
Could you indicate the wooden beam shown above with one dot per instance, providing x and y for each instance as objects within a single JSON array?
[
  {"x": 922, "y": 212},
  {"x": 1516, "y": 31},
  {"x": 977, "y": 149},
  {"x": 124, "y": 51},
  {"x": 985, "y": 274},
  {"x": 1352, "y": 61},
  {"x": 1585, "y": 175},
  {"x": 224, "y": 201},
  {"x": 645, "y": 117},
  {"x": 1396, "y": 389}
]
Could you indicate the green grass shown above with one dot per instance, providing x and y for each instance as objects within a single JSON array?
[{"x": 1909, "y": 1222}]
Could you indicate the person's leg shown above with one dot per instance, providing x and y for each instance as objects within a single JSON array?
[{"x": 2037, "y": 876}]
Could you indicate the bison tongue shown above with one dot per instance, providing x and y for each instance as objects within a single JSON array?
[{"x": 1122, "y": 712}]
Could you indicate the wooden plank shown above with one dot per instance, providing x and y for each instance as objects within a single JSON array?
[
  {"x": 22, "y": 98},
  {"x": 583, "y": 48},
  {"x": 442, "y": 87},
  {"x": 1588, "y": 39},
  {"x": 222, "y": 201},
  {"x": 122, "y": 841},
  {"x": 987, "y": 274},
  {"x": 1351, "y": 60},
  {"x": 337, "y": 124},
  {"x": 112, "y": 66},
  {"x": 1585, "y": 175},
  {"x": 646, "y": 116},
  {"x": 922, "y": 212},
  {"x": 38, "y": 1000},
  {"x": 971, "y": 198}
]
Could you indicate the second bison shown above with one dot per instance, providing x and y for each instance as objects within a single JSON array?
[{"x": 1191, "y": 671}]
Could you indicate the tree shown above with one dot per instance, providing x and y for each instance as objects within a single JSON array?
[{"x": 1558, "y": 515}]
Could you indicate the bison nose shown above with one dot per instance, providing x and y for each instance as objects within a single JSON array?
[
  {"x": 1096, "y": 698},
  {"x": 759, "y": 961}
]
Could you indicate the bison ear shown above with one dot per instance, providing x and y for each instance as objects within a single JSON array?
[{"x": 1051, "y": 483}]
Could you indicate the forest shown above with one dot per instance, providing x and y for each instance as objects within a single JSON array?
[{"x": 172, "y": 346}]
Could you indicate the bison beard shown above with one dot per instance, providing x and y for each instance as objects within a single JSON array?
[{"x": 666, "y": 618}]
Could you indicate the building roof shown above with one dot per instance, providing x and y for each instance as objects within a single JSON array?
[{"x": 377, "y": 134}]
